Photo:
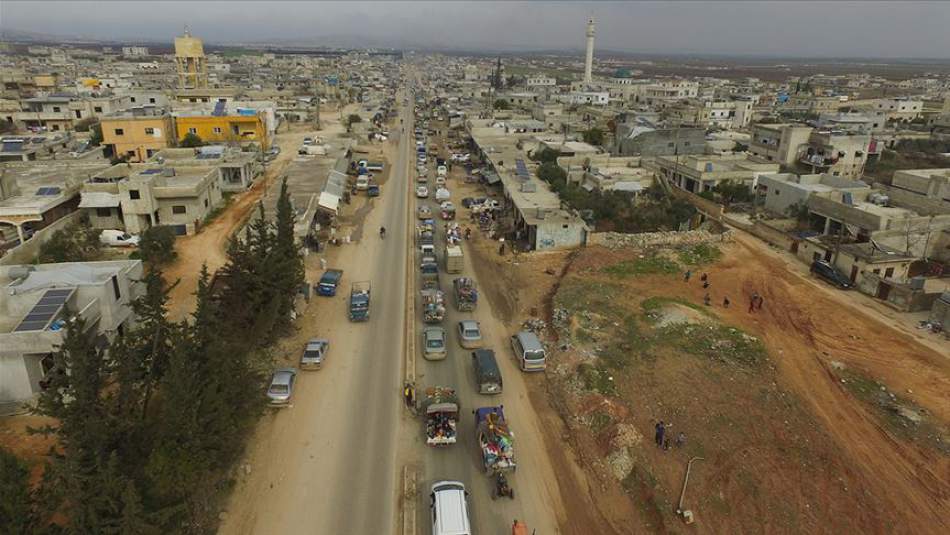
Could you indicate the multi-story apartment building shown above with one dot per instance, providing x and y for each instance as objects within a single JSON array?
[{"x": 138, "y": 133}]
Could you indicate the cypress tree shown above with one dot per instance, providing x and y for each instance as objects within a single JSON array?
[{"x": 15, "y": 508}]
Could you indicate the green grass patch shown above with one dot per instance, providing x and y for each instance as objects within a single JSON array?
[
  {"x": 901, "y": 416},
  {"x": 699, "y": 254},
  {"x": 716, "y": 342},
  {"x": 650, "y": 265},
  {"x": 652, "y": 304},
  {"x": 597, "y": 379},
  {"x": 627, "y": 342},
  {"x": 600, "y": 421}
]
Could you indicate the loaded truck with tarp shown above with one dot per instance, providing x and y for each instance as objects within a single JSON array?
[
  {"x": 441, "y": 408},
  {"x": 495, "y": 439},
  {"x": 466, "y": 294},
  {"x": 433, "y": 305}
]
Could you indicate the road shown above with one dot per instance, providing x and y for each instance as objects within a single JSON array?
[
  {"x": 537, "y": 497},
  {"x": 327, "y": 464}
]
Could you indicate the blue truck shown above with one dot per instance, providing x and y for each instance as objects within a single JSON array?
[{"x": 329, "y": 281}]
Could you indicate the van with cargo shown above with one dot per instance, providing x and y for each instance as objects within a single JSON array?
[{"x": 529, "y": 351}]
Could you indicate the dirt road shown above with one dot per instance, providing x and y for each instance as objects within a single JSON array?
[
  {"x": 327, "y": 464},
  {"x": 209, "y": 246}
]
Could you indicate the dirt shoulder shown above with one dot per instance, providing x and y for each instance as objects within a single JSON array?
[{"x": 810, "y": 415}]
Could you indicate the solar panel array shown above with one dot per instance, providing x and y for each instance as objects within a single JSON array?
[
  {"x": 208, "y": 155},
  {"x": 521, "y": 169},
  {"x": 218, "y": 109},
  {"x": 151, "y": 172},
  {"x": 48, "y": 191},
  {"x": 45, "y": 310}
]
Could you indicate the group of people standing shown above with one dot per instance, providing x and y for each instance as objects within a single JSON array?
[{"x": 755, "y": 301}]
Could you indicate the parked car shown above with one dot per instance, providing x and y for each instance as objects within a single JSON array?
[
  {"x": 314, "y": 353},
  {"x": 469, "y": 202},
  {"x": 470, "y": 334},
  {"x": 308, "y": 141},
  {"x": 825, "y": 270},
  {"x": 440, "y": 180},
  {"x": 422, "y": 192},
  {"x": 281, "y": 388},
  {"x": 433, "y": 343},
  {"x": 118, "y": 238}
]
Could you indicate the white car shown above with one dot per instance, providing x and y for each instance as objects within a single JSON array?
[
  {"x": 118, "y": 238},
  {"x": 422, "y": 192},
  {"x": 440, "y": 180},
  {"x": 442, "y": 194},
  {"x": 441, "y": 170}
]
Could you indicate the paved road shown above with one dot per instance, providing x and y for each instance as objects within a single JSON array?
[
  {"x": 536, "y": 491},
  {"x": 327, "y": 465}
]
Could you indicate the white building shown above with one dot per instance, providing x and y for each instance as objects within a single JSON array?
[
  {"x": 134, "y": 51},
  {"x": 595, "y": 98}
]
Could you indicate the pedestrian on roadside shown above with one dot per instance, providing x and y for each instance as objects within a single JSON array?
[
  {"x": 704, "y": 277},
  {"x": 705, "y": 284},
  {"x": 758, "y": 303},
  {"x": 707, "y": 299},
  {"x": 660, "y": 431},
  {"x": 407, "y": 395},
  {"x": 752, "y": 301},
  {"x": 725, "y": 302},
  {"x": 680, "y": 439},
  {"x": 687, "y": 275}
]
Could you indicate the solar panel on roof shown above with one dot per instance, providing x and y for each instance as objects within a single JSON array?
[
  {"x": 49, "y": 305},
  {"x": 218, "y": 109},
  {"x": 12, "y": 146},
  {"x": 521, "y": 169},
  {"x": 48, "y": 191},
  {"x": 208, "y": 156},
  {"x": 151, "y": 171}
]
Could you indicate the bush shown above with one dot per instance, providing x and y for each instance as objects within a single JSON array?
[
  {"x": 594, "y": 136},
  {"x": 14, "y": 493},
  {"x": 95, "y": 137},
  {"x": 157, "y": 246},
  {"x": 191, "y": 141},
  {"x": 501, "y": 104},
  {"x": 78, "y": 242}
]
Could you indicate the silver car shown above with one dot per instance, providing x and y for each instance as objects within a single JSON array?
[
  {"x": 470, "y": 334},
  {"x": 433, "y": 343},
  {"x": 314, "y": 353},
  {"x": 282, "y": 386}
]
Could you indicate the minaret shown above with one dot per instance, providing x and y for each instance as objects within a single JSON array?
[{"x": 589, "y": 63}]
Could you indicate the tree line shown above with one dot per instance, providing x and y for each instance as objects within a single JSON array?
[{"x": 148, "y": 429}]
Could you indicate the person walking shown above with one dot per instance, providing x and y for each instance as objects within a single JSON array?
[
  {"x": 758, "y": 303},
  {"x": 687, "y": 275},
  {"x": 704, "y": 277},
  {"x": 660, "y": 431},
  {"x": 705, "y": 284},
  {"x": 680, "y": 439},
  {"x": 752, "y": 301},
  {"x": 408, "y": 394},
  {"x": 707, "y": 299},
  {"x": 725, "y": 302}
]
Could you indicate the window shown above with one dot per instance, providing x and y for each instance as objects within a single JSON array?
[
  {"x": 179, "y": 209},
  {"x": 55, "y": 127},
  {"x": 78, "y": 114},
  {"x": 206, "y": 203},
  {"x": 193, "y": 131},
  {"x": 235, "y": 129},
  {"x": 150, "y": 131},
  {"x": 876, "y": 271},
  {"x": 670, "y": 144},
  {"x": 115, "y": 288},
  {"x": 151, "y": 100},
  {"x": 97, "y": 109},
  {"x": 119, "y": 132},
  {"x": 132, "y": 99},
  {"x": 103, "y": 212},
  {"x": 134, "y": 194},
  {"x": 888, "y": 273},
  {"x": 55, "y": 108},
  {"x": 217, "y": 130}
]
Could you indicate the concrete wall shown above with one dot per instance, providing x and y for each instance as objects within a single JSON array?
[
  {"x": 559, "y": 235},
  {"x": 712, "y": 209},
  {"x": 775, "y": 236},
  {"x": 26, "y": 252},
  {"x": 657, "y": 142},
  {"x": 616, "y": 240}
]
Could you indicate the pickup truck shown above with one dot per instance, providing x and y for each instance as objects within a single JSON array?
[
  {"x": 441, "y": 413},
  {"x": 359, "y": 301},
  {"x": 495, "y": 439},
  {"x": 466, "y": 294},
  {"x": 329, "y": 281}
]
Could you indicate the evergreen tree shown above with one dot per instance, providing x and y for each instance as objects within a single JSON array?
[
  {"x": 287, "y": 257},
  {"x": 15, "y": 512}
]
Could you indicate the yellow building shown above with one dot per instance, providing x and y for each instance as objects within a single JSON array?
[
  {"x": 191, "y": 63},
  {"x": 138, "y": 134},
  {"x": 230, "y": 128}
]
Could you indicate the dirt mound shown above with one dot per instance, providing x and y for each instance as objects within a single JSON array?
[{"x": 675, "y": 313}]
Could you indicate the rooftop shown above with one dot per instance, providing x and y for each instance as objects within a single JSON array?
[{"x": 44, "y": 184}]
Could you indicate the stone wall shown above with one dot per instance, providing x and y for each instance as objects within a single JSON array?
[
  {"x": 616, "y": 240},
  {"x": 25, "y": 253}
]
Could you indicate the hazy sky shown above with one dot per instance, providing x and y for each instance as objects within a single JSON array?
[{"x": 791, "y": 28}]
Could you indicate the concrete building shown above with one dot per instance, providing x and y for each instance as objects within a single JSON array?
[
  {"x": 35, "y": 303},
  {"x": 779, "y": 143},
  {"x": 638, "y": 136},
  {"x": 191, "y": 63},
  {"x": 138, "y": 133},
  {"x": 593, "y": 98},
  {"x": 236, "y": 169},
  {"x": 835, "y": 152},
  {"x": 779, "y": 193},
  {"x": 225, "y": 124},
  {"x": 930, "y": 183},
  {"x": 134, "y": 197},
  {"x": 699, "y": 173},
  {"x": 35, "y": 195},
  {"x": 539, "y": 82},
  {"x": 134, "y": 51}
]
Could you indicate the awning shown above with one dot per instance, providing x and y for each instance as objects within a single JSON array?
[
  {"x": 99, "y": 199},
  {"x": 328, "y": 202}
]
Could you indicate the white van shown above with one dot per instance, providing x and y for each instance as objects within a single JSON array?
[
  {"x": 449, "y": 509},
  {"x": 441, "y": 170},
  {"x": 529, "y": 351}
]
